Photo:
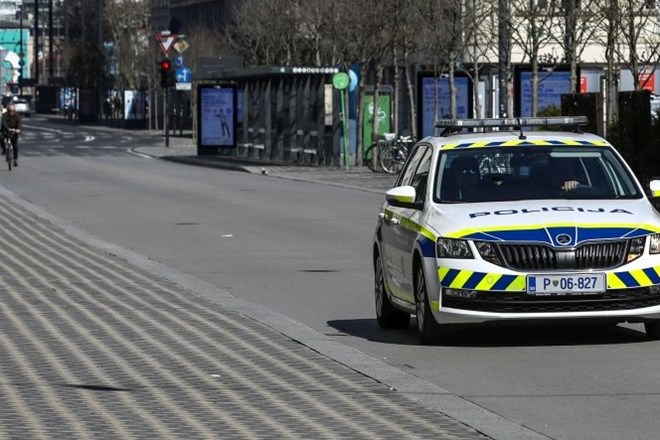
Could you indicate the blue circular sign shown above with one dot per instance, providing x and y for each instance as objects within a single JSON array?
[{"x": 183, "y": 75}]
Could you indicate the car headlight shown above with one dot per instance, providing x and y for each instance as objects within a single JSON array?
[
  {"x": 654, "y": 248},
  {"x": 453, "y": 248},
  {"x": 636, "y": 248},
  {"x": 488, "y": 252}
]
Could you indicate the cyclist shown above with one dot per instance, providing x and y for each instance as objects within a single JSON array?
[
  {"x": 11, "y": 127},
  {"x": 2, "y": 138}
]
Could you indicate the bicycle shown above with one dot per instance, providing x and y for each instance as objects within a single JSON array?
[
  {"x": 9, "y": 148},
  {"x": 373, "y": 151},
  {"x": 394, "y": 157}
]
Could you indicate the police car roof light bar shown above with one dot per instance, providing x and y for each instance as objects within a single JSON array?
[{"x": 563, "y": 121}]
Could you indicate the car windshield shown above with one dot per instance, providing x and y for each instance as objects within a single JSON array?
[{"x": 537, "y": 172}]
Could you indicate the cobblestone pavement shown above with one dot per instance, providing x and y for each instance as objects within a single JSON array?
[{"x": 93, "y": 347}]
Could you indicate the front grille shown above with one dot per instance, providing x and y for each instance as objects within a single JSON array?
[
  {"x": 530, "y": 257},
  {"x": 506, "y": 302}
]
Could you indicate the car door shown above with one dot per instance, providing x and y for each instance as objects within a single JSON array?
[{"x": 398, "y": 237}]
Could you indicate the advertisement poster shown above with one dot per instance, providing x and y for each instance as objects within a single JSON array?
[
  {"x": 384, "y": 117},
  {"x": 443, "y": 97},
  {"x": 551, "y": 86},
  {"x": 218, "y": 116}
]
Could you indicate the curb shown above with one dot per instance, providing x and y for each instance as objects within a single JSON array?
[{"x": 194, "y": 160}]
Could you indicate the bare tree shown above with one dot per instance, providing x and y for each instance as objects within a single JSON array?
[
  {"x": 532, "y": 23},
  {"x": 128, "y": 24},
  {"x": 607, "y": 36},
  {"x": 479, "y": 41},
  {"x": 431, "y": 40},
  {"x": 639, "y": 49},
  {"x": 578, "y": 21}
]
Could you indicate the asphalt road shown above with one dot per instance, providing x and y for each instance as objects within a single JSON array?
[{"x": 303, "y": 250}]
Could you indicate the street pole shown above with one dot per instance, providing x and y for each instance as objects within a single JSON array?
[
  {"x": 51, "y": 66},
  {"x": 36, "y": 41},
  {"x": 99, "y": 34},
  {"x": 166, "y": 118},
  {"x": 504, "y": 55},
  {"x": 21, "y": 51}
]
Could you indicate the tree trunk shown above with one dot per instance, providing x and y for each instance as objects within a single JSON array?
[
  {"x": 609, "y": 77},
  {"x": 376, "y": 109},
  {"x": 396, "y": 93},
  {"x": 412, "y": 110},
  {"x": 475, "y": 86},
  {"x": 535, "y": 86},
  {"x": 359, "y": 147},
  {"x": 452, "y": 89}
]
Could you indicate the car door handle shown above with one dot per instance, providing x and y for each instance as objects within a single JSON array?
[{"x": 394, "y": 221}]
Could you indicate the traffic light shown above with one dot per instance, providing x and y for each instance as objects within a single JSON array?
[{"x": 166, "y": 74}]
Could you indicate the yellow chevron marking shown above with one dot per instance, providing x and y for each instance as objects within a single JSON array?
[
  {"x": 461, "y": 279},
  {"x": 512, "y": 143},
  {"x": 518, "y": 284},
  {"x": 442, "y": 273},
  {"x": 614, "y": 282},
  {"x": 641, "y": 277},
  {"x": 488, "y": 282}
]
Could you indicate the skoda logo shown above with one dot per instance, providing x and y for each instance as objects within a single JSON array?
[{"x": 563, "y": 239}]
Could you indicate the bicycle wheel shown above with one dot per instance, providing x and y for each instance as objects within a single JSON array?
[
  {"x": 392, "y": 160},
  {"x": 368, "y": 158},
  {"x": 9, "y": 153}
]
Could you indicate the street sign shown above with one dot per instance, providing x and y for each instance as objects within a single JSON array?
[
  {"x": 181, "y": 46},
  {"x": 184, "y": 86},
  {"x": 166, "y": 41},
  {"x": 183, "y": 74},
  {"x": 340, "y": 80},
  {"x": 178, "y": 60}
]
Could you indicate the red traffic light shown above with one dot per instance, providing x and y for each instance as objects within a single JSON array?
[{"x": 165, "y": 65}]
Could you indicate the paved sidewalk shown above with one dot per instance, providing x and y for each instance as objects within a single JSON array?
[
  {"x": 92, "y": 346},
  {"x": 181, "y": 150}
]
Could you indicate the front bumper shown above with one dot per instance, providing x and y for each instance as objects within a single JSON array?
[{"x": 630, "y": 305}]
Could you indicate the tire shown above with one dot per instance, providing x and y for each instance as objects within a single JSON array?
[
  {"x": 428, "y": 330},
  {"x": 392, "y": 160},
  {"x": 386, "y": 314},
  {"x": 10, "y": 155},
  {"x": 371, "y": 163},
  {"x": 652, "y": 330}
]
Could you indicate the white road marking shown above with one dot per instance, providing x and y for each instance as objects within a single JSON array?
[{"x": 135, "y": 153}]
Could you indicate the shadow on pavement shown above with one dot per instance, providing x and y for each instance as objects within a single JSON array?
[{"x": 501, "y": 335}]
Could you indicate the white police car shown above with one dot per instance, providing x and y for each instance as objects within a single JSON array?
[{"x": 513, "y": 226}]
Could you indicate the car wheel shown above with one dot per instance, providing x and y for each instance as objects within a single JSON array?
[
  {"x": 652, "y": 329},
  {"x": 429, "y": 331},
  {"x": 386, "y": 314}
]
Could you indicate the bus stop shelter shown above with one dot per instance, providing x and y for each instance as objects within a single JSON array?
[{"x": 287, "y": 115}]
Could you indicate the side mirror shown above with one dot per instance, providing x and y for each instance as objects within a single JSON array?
[
  {"x": 402, "y": 196},
  {"x": 654, "y": 186}
]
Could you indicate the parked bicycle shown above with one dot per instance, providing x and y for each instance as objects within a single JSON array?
[
  {"x": 371, "y": 155},
  {"x": 388, "y": 154},
  {"x": 393, "y": 157}
]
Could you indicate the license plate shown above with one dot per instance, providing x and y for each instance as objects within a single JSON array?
[{"x": 567, "y": 284}]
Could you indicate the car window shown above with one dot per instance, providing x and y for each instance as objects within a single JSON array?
[
  {"x": 411, "y": 165},
  {"x": 537, "y": 172},
  {"x": 421, "y": 176}
]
